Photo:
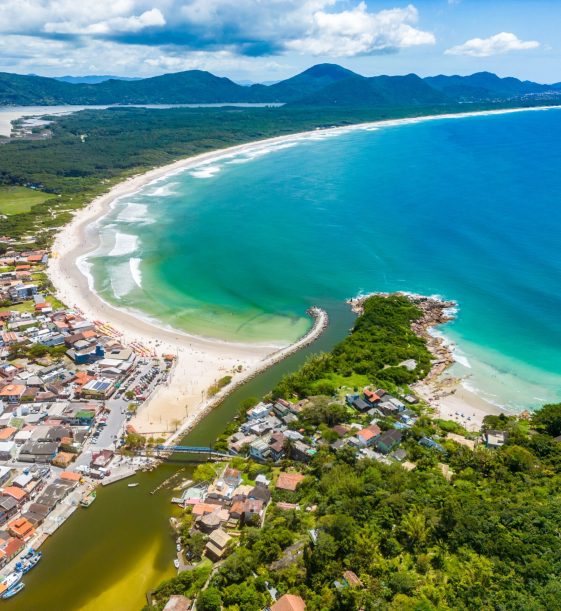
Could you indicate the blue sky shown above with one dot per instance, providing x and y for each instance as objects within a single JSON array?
[{"x": 262, "y": 40}]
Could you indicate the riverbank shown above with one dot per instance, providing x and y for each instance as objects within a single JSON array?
[{"x": 450, "y": 400}]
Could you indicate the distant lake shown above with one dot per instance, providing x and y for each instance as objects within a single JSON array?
[{"x": 12, "y": 113}]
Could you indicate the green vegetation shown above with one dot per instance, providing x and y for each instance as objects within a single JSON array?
[
  {"x": 381, "y": 339},
  {"x": 216, "y": 388},
  {"x": 16, "y": 200},
  {"x": 120, "y": 142},
  {"x": 464, "y": 529},
  {"x": 35, "y": 351},
  {"x": 188, "y": 583}
]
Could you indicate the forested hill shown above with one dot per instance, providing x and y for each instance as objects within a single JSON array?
[{"x": 321, "y": 85}]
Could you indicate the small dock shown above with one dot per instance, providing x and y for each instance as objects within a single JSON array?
[{"x": 119, "y": 474}]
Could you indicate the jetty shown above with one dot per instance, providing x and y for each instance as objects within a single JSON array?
[
  {"x": 118, "y": 475},
  {"x": 321, "y": 322}
]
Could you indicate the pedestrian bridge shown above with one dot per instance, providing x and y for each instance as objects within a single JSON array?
[{"x": 191, "y": 450}]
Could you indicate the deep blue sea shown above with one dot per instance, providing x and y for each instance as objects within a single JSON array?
[{"x": 467, "y": 208}]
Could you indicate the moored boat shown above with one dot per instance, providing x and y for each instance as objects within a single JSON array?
[
  {"x": 88, "y": 499},
  {"x": 133, "y": 485},
  {"x": 29, "y": 562},
  {"x": 13, "y": 591},
  {"x": 9, "y": 582}
]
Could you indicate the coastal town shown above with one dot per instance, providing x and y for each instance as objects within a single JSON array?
[
  {"x": 69, "y": 387},
  {"x": 270, "y": 453}
]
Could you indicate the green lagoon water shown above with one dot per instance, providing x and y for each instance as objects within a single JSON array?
[{"x": 467, "y": 208}]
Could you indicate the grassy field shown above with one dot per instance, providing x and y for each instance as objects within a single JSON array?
[{"x": 17, "y": 200}]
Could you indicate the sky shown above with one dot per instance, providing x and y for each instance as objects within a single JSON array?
[{"x": 268, "y": 40}]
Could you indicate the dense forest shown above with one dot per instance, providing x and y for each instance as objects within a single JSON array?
[
  {"x": 454, "y": 527},
  {"x": 380, "y": 341}
]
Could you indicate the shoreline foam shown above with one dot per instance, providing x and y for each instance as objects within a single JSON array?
[
  {"x": 200, "y": 361},
  {"x": 450, "y": 399}
]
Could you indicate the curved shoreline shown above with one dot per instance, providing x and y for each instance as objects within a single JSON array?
[
  {"x": 200, "y": 361},
  {"x": 321, "y": 320}
]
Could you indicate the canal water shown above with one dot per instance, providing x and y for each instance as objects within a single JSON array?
[{"x": 106, "y": 557}]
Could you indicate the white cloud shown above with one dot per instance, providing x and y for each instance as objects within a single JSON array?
[
  {"x": 171, "y": 33},
  {"x": 504, "y": 42},
  {"x": 115, "y": 25},
  {"x": 357, "y": 32}
]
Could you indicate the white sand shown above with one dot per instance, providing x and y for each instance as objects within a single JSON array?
[
  {"x": 200, "y": 361},
  {"x": 457, "y": 403}
]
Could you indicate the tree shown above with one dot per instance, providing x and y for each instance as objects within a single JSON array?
[
  {"x": 204, "y": 472},
  {"x": 209, "y": 600},
  {"x": 548, "y": 418}
]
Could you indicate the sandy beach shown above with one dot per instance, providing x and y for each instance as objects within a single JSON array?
[
  {"x": 176, "y": 406},
  {"x": 200, "y": 362}
]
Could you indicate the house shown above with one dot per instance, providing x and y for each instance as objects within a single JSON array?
[
  {"x": 232, "y": 477},
  {"x": 361, "y": 405},
  {"x": 8, "y": 507},
  {"x": 36, "y": 513},
  {"x": 252, "y": 510},
  {"x": 367, "y": 436},
  {"x": 12, "y": 548},
  {"x": 101, "y": 459},
  {"x": 5, "y": 473},
  {"x": 427, "y": 442},
  {"x": 495, "y": 439},
  {"x": 259, "y": 449},
  {"x": 217, "y": 544},
  {"x": 21, "y": 292},
  {"x": 386, "y": 442},
  {"x": 288, "y": 481},
  {"x": 373, "y": 398},
  {"x": 261, "y": 410},
  {"x": 23, "y": 480},
  {"x": 21, "y": 528},
  {"x": 178, "y": 602},
  {"x": 340, "y": 429},
  {"x": 261, "y": 493},
  {"x": 12, "y": 393},
  {"x": 17, "y": 494},
  {"x": 301, "y": 451},
  {"x": 101, "y": 388},
  {"x": 276, "y": 446},
  {"x": 38, "y": 451},
  {"x": 7, "y": 450},
  {"x": 289, "y": 602},
  {"x": 352, "y": 580},
  {"x": 212, "y": 521}
]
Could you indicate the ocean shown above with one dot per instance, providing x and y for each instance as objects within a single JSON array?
[{"x": 466, "y": 208}]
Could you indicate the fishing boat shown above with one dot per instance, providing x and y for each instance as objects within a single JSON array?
[
  {"x": 13, "y": 591},
  {"x": 29, "y": 562},
  {"x": 134, "y": 485},
  {"x": 11, "y": 580},
  {"x": 88, "y": 499}
]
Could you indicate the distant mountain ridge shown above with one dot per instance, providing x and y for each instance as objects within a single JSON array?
[
  {"x": 94, "y": 79},
  {"x": 320, "y": 85}
]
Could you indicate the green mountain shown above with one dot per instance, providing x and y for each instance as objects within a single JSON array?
[
  {"x": 321, "y": 85},
  {"x": 484, "y": 86},
  {"x": 306, "y": 83},
  {"x": 357, "y": 90}
]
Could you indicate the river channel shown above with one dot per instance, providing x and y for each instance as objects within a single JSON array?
[{"x": 106, "y": 557}]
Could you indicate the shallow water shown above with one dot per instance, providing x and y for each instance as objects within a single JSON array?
[{"x": 466, "y": 208}]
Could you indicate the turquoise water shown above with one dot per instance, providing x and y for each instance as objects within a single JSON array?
[{"x": 468, "y": 208}]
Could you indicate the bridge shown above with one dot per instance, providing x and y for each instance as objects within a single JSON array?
[{"x": 206, "y": 451}]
